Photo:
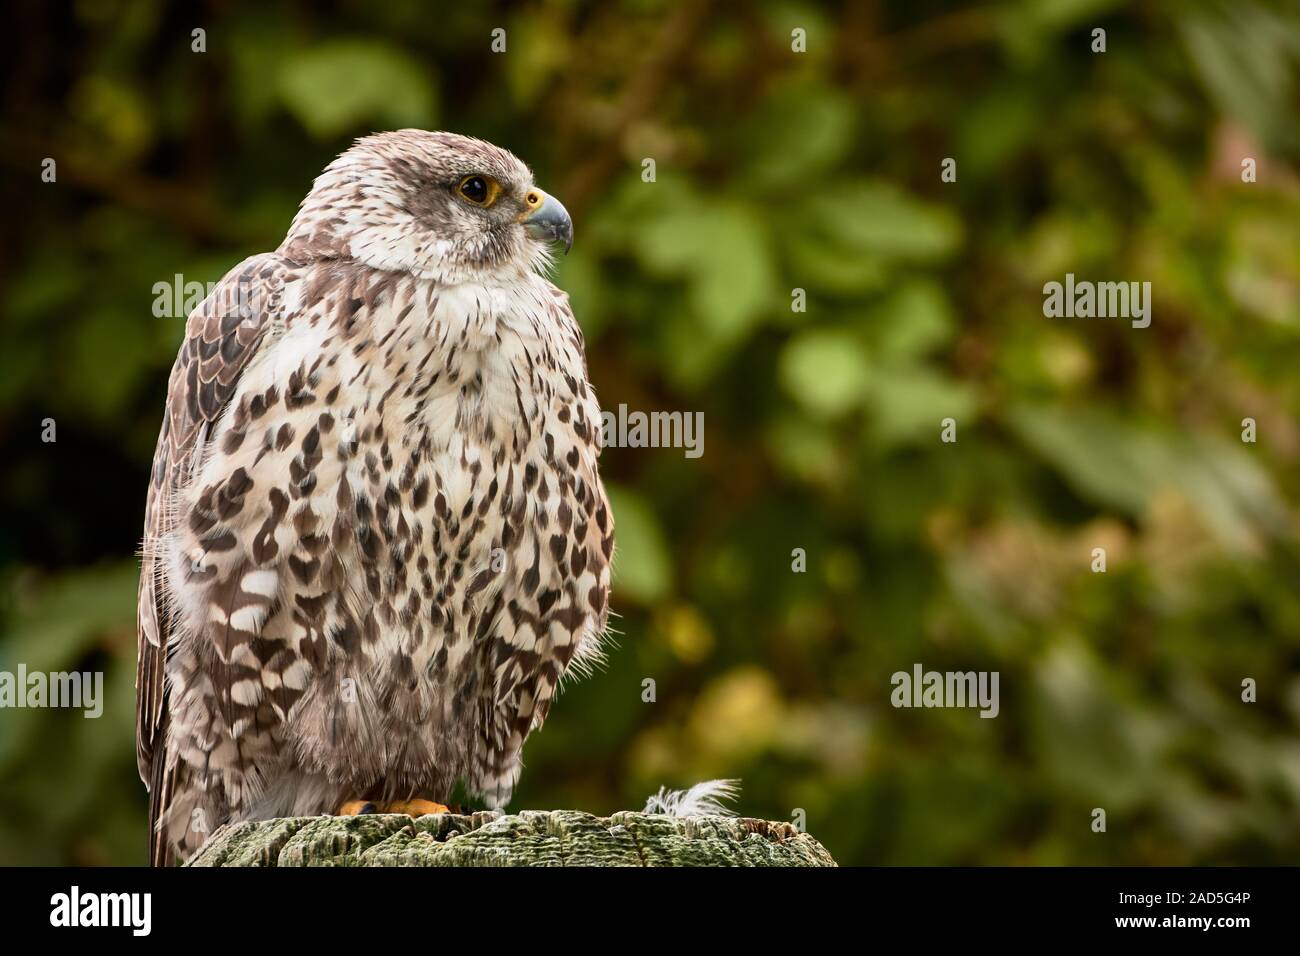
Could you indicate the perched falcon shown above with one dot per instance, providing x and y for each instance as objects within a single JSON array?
[{"x": 376, "y": 537}]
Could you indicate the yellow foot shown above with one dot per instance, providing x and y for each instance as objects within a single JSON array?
[
  {"x": 354, "y": 807},
  {"x": 416, "y": 808},
  {"x": 412, "y": 808}
]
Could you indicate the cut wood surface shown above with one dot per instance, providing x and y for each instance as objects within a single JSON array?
[{"x": 528, "y": 838}]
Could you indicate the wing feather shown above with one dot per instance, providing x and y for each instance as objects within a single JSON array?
[{"x": 221, "y": 336}]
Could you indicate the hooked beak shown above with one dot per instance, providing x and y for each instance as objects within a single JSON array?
[{"x": 546, "y": 218}]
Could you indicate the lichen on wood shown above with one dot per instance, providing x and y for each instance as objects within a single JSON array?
[{"x": 528, "y": 838}]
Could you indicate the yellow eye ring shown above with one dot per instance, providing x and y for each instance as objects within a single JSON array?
[{"x": 479, "y": 190}]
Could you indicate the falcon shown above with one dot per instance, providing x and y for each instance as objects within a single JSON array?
[{"x": 375, "y": 535}]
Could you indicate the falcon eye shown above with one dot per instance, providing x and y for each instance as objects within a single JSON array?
[{"x": 480, "y": 190}]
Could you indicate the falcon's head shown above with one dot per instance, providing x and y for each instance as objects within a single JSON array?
[{"x": 438, "y": 205}]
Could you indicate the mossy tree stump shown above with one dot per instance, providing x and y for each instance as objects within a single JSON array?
[{"x": 528, "y": 838}]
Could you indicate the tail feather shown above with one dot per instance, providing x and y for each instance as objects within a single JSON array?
[{"x": 160, "y": 795}]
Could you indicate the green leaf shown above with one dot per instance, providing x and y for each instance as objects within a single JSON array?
[
  {"x": 800, "y": 131},
  {"x": 67, "y": 620},
  {"x": 722, "y": 248},
  {"x": 344, "y": 85},
  {"x": 579, "y": 275},
  {"x": 1059, "y": 15},
  {"x": 1247, "y": 60},
  {"x": 1090, "y": 734},
  {"x": 996, "y": 127},
  {"x": 911, "y": 402},
  {"x": 880, "y": 218},
  {"x": 804, "y": 448},
  {"x": 825, "y": 370},
  {"x": 642, "y": 568},
  {"x": 1097, "y": 454},
  {"x": 1121, "y": 464},
  {"x": 912, "y": 322},
  {"x": 824, "y": 264}
]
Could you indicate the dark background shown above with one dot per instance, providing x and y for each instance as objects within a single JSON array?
[{"x": 775, "y": 170}]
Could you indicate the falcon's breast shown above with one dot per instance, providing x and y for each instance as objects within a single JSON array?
[{"x": 396, "y": 543}]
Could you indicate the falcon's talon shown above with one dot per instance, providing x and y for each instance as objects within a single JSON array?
[
  {"x": 412, "y": 808},
  {"x": 416, "y": 808},
  {"x": 352, "y": 808}
]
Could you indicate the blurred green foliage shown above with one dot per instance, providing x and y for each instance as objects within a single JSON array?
[{"x": 775, "y": 171}]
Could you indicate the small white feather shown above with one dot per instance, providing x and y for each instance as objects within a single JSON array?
[{"x": 702, "y": 800}]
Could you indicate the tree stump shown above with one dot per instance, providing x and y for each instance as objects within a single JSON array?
[{"x": 528, "y": 838}]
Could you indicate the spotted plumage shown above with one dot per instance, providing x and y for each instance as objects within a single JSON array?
[{"x": 376, "y": 537}]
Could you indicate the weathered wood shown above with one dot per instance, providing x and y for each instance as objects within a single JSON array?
[{"x": 528, "y": 838}]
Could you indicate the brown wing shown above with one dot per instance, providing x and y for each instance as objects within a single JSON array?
[{"x": 222, "y": 334}]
